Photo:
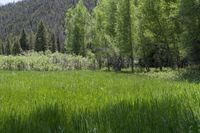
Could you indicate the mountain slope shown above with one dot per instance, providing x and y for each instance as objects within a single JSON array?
[{"x": 26, "y": 14}]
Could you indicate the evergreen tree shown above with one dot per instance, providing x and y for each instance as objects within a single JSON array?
[
  {"x": 24, "y": 41},
  {"x": 41, "y": 42},
  {"x": 31, "y": 41},
  {"x": 53, "y": 43},
  {"x": 16, "y": 48},
  {"x": 1, "y": 47},
  {"x": 58, "y": 44},
  {"x": 7, "y": 47}
]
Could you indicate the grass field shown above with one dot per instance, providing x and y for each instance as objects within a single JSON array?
[{"x": 96, "y": 102}]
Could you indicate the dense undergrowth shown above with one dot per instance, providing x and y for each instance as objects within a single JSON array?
[
  {"x": 96, "y": 102},
  {"x": 45, "y": 62}
]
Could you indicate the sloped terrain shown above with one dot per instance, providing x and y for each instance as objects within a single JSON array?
[{"x": 26, "y": 14}]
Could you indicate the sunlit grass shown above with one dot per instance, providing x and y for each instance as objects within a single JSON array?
[{"x": 96, "y": 102}]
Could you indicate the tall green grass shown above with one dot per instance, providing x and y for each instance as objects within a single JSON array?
[{"x": 96, "y": 102}]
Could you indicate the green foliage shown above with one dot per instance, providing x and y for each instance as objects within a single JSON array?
[
  {"x": 28, "y": 13},
  {"x": 1, "y": 47},
  {"x": 45, "y": 62},
  {"x": 41, "y": 40},
  {"x": 7, "y": 47},
  {"x": 76, "y": 22},
  {"x": 53, "y": 45},
  {"x": 31, "y": 41},
  {"x": 59, "y": 45},
  {"x": 159, "y": 29},
  {"x": 24, "y": 41},
  {"x": 120, "y": 33},
  {"x": 189, "y": 13},
  {"x": 16, "y": 49},
  {"x": 102, "y": 32},
  {"x": 83, "y": 101},
  {"x": 124, "y": 27}
]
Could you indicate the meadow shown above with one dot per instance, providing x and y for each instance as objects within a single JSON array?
[{"x": 97, "y": 102}]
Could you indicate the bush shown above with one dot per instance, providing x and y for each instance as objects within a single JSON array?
[{"x": 46, "y": 62}]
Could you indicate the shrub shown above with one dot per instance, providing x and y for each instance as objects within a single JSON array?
[{"x": 45, "y": 62}]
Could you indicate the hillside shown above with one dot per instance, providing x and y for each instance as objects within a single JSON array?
[{"x": 26, "y": 14}]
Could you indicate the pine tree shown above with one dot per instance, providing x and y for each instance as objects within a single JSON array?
[
  {"x": 1, "y": 47},
  {"x": 53, "y": 43},
  {"x": 58, "y": 44},
  {"x": 41, "y": 42},
  {"x": 31, "y": 41},
  {"x": 16, "y": 48},
  {"x": 24, "y": 41},
  {"x": 7, "y": 47}
]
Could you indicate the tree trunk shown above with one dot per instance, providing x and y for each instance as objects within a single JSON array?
[
  {"x": 108, "y": 63},
  {"x": 100, "y": 63},
  {"x": 130, "y": 37},
  {"x": 132, "y": 64},
  {"x": 161, "y": 68}
]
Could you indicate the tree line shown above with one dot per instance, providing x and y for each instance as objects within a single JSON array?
[
  {"x": 40, "y": 41},
  {"x": 147, "y": 33},
  {"x": 124, "y": 33},
  {"x": 27, "y": 13}
]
